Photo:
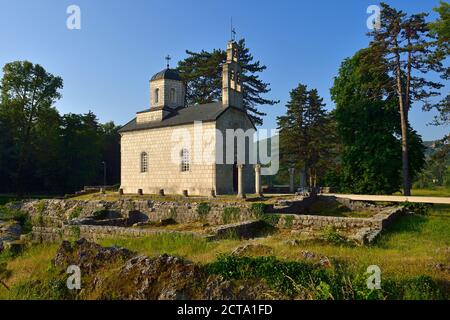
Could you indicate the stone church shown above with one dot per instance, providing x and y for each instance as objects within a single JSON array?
[{"x": 152, "y": 163}]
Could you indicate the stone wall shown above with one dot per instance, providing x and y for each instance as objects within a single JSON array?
[
  {"x": 55, "y": 212},
  {"x": 163, "y": 172},
  {"x": 246, "y": 229},
  {"x": 363, "y": 230},
  {"x": 94, "y": 233}
]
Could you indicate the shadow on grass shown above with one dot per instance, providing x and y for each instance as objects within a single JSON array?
[{"x": 411, "y": 224}]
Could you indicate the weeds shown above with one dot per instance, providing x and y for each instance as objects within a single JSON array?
[
  {"x": 203, "y": 209},
  {"x": 230, "y": 214}
]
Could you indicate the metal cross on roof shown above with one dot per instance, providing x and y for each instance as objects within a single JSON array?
[
  {"x": 168, "y": 58},
  {"x": 233, "y": 31}
]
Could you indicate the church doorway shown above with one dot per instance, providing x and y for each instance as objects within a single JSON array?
[{"x": 235, "y": 178}]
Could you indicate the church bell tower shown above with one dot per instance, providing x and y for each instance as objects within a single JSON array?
[{"x": 231, "y": 78}]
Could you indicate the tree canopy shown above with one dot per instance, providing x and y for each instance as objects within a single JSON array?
[
  {"x": 42, "y": 151},
  {"x": 368, "y": 127}
]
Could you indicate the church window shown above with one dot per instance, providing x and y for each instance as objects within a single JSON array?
[
  {"x": 156, "y": 95},
  {"x": 172, "y": 95},
  {"x": 144, "y": 162},
  {"x": 185, "y": 163}
]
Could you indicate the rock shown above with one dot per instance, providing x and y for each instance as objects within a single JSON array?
[
  {"x": 164, "y": 277},
  {"x": 366, "y": 236},
  {"x": 122, "y": 274},
  {"x": 166, "y": 222},
  {"x": 14, "y": 247},
  {"x": 252, "y": 249},
  {"x": 88, "y": 256},
  {"x": 292, "y": 242},
  {"x": 320, "y": 259},
  {"x": 10, "y": 231},
  {"x": 441, "y": 267},
  {"x": 217, "y": 288}
]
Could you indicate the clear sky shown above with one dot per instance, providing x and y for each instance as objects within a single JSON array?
[{"x": 107, "y": 64}]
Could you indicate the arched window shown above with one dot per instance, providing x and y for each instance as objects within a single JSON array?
[
  {"x": 156, "y": 95},
  {"x": 185, "y": 163},
  {"x": 172, "y": 95},
  {"x": 144, "y": 162}
]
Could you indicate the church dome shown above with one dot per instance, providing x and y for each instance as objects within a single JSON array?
[{"x": 171, "y": 74}]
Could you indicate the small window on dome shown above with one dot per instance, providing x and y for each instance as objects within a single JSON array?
[{"x": 156, "y": 95}]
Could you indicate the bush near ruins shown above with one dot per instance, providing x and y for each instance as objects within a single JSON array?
[
  {"x": 271, "y": 219},
  {"x": 230, "y": 214},
  {"x": 203, "y": 209},
  {"x": 288, "y": 221},
  {"x": 21, "y": 217},
  {"x": 305, "y": 280},
  {"x": 258, "y": 209},
  {"x": 417, "y": 208}
]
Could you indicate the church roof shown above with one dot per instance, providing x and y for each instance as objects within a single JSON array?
[
  {"x": 203, "y": 112},
  {"x": 171, "y": 74}
]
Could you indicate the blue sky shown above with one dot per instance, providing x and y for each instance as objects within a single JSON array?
[{"x": 107, "y": 64}]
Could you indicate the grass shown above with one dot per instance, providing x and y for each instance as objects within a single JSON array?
[
  {"x": 191, "y": 247},
  {"x": 435, "y": 192},
  {"x": 412, "y": 247},
  {"x": 32, "y": 264}
]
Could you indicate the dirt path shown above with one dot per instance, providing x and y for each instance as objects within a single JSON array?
[{"x": 362, "y": 197}]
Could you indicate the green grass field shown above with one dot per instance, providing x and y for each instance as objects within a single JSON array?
[
  {"x": 412, "y": 247},
  {"x": 436, "y": 192}
]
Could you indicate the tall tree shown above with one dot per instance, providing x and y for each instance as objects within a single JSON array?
[
  {"x": 28, "y": 91},
  {"x": 407, "y": 46},
  {"x": 304, "y": 138},
  {"x": 203, "y": 75},
  {"x": 440, "y": 29},
  {"x": 368, "y": 125}
]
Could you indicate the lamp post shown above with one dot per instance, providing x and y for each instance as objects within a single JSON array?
[{"x": 104, "y": 176}]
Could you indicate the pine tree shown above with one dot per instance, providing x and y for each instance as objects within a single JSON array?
[
  {"x": 202, "y": 73},
  {"x": 304, "y": 138},
  {"x": 407, "y": 46}
]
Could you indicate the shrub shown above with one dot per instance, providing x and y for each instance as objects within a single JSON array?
[
  {"x": 21, "y": 217},
  {"x": 417, "y": 208},
  {"x": 173, "y": 213},
  {"x": 230, "y": 214},
  {"x": 286, "y": 277},
  {"x": 288, "y": 221},
  {"x": 306, "y": 280},
  {"x": 40, "y": 207},
  {"x": 258, "y": 209},
  {"x": 76, "y": 232},
  {"x": 421, "y": 288},
  {"x": 271, "y": 219},
  {"x": 330, "y": 234},
  {"x": 75, "y": 213},
  {"x": 203, "y": 209}
]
